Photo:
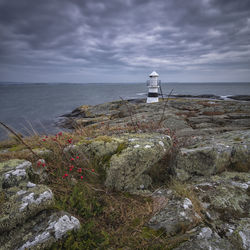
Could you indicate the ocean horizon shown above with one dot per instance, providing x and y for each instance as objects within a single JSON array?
[{"x": 37, "y": 106}]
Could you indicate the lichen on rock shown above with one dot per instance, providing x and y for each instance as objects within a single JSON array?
[
  {"x": 40, "y": 232},
  {"x": 24, "y": 205},
  {"x": 23, "y": 220},
  {"x": 214, "y": 155},
  {"x": 128, "y": 170},
  {"x": 178, "y": 214},
  {"x": 13, "y": 172}
]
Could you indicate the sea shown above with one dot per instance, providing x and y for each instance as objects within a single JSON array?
[{"x": 31, "y": 108}]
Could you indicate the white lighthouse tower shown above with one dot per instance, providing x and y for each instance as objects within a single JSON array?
[{"x": 153, "y": 87}]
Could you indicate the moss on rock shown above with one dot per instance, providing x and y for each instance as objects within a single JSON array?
[
  {"x": 23, "y": 205},
  {"x": 13, "y": 172},
  {"x": 128, "y": 169}
]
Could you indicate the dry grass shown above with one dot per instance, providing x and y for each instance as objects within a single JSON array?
[{"x": 109, "y": 219}]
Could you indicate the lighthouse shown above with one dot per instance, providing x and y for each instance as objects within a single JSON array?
[{"x": 153, "y": 87}]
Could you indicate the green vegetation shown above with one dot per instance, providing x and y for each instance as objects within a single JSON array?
[{"x": 108, "y": 219}]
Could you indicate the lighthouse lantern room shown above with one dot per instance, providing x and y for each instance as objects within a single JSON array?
[{"x": 153, "y": 87}]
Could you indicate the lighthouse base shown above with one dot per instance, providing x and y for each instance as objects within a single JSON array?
[{"x": 152, "y": 99}]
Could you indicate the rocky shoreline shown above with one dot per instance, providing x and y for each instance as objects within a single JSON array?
[
  {"x": 213, "y": 159},
  {"x": 190, "y": 156}
]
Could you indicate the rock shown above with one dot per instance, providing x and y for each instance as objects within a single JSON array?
[
  {"x": 240, "y": 97},
  {"x": 127, "y": 170},
  {"x": 206, "y": 239},
  {"x": 241, "y": 235},
  {"x": 26, "y": 220},
  {"x": 99, "y": 147},
  {"x": 201, "y": 161},
  {"x": 213, "y": 138},
  {"x": 178, "y": 215},
  {"x": 89, "y": 121},
  {"x": 126, "y": 159},
  {"x": 224, "y": 200},
  {"x": 40, "y": 232},
  {"x": 13, "y": 172},
  {"x": 229, "y": 150},
  {"x": 24, "y": 204}
]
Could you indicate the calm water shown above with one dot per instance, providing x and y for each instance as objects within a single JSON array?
[{"x": 38, "y": 106}]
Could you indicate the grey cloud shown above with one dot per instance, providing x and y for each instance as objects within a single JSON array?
[{"x": 123, "y": 35}]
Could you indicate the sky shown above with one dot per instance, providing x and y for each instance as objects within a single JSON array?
[{"x": 87, "y": 41}]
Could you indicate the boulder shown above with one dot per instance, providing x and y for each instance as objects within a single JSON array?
[
  {"x": 13, "y": 172},
  {"x": 176, "y": 216},
  {"x": 230, "y": 150},
  {"x": 206, "y": 239},
  {"x": 128, "y": 169},
  {"x": 26, "y": 218},
  {"x": 24, "y": 204},
  {"x": 126, "y": 159},
  {"x": 39, "y": 232}
]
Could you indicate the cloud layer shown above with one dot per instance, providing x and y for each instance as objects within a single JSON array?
[{"x": 123, "y": 40}]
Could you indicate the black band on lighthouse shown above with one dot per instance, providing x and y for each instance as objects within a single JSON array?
[{"x": 152, "y": 94}]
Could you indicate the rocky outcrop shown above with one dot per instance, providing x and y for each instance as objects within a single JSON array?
[
  {"x": 197, "y": 116},
  {"x": 26, "y": 218},
  {"x": 128, "y": 170},
  {"x": 227, "y": 151},
  {"x": 211, "y": 212},
  {"x": 198, "y": 150},
  {"x": 126, "y": 159}
]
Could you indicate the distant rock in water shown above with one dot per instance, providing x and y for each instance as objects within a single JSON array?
[
  {"x": 240, "y": 97},
  {"x": 207, "y": 96}
]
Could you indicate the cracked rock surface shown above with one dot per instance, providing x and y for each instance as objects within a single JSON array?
[{"x": 26, "y": 218}]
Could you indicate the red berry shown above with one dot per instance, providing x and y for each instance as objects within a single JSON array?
[
  {"x": 77, "y": 157},
  {"x": 44, "y": 140},
  {"x": 66, "y": 175},
  {"x": 43, "y": 164},
  {"x": 92, "y": 170},
  {"x": 38, "y": 163},
  {"x": 72, "y": 159},
  {"x": 81, "y": 177}
]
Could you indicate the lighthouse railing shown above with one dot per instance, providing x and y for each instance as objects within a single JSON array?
[{"x": 158, "y": 83}]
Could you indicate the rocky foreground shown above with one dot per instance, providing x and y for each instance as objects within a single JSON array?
[{"x": 190, "y": 156}]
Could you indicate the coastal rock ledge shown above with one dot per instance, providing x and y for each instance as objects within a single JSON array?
[
  {"x": 189, "y": 157},
  {"x": 203, "y": 201},
  {"x": 26, "y": 218}
]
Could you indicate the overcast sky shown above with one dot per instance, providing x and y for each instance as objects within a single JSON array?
[{"x": 124, "y": 40}]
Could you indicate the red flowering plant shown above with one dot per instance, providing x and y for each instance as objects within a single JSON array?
[{"x": 62, "y": 162}]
